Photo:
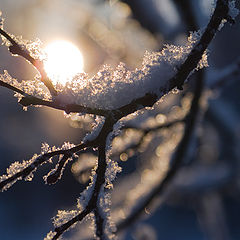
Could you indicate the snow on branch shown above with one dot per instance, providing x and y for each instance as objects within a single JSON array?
[
  {"x": 176, "y": 161},
  {"x": 20, "y": 50},
  {"x": 18, "y": 171},
  {"x": 123, "y": 91},
  {"x": 113, "y": 88}
]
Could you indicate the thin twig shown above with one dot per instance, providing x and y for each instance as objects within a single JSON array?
[
  {"x": 28, "y": 100},
  {"x": 56, "y": 174},
  {"x": 15, "y": 48},
  {"x": 15, "y": 89},
  {"x": 68, "y": 108},
  {"x": 220, "y": 13},
  {"x": 43, "y": 159}
]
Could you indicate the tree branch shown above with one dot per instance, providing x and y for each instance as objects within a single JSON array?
[
  {"x": 178, "y": 157},
  {"x": 191, "y": 62},
  {"x": 15, "y": 48},
  {"x": 6, "y": 85},
  {"x": 29, "y": 100},
  {"x": 68, "y": 108},
  {"x": 112, "y": 116},
  {"x": 148, "y": 100},
  {"x": 99, "y": 183},
  {"x": 40, "y": 160}
]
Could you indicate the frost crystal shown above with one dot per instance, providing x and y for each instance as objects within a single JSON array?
[
  {"x": 67, "y": 145},
  {"x": 87, "y": 193},
  {"x": 50, "y": 235},
  {"x": 16, "y": 168},
  {"x": 31, "y": 165},
  {"x": 111, "y": 172},
  {"x": 1, "y": 20},
  {"x": 32, "y": 87},
  {"x": 112, "y": 166},
  {"x": 33, "y": 48},
  {"x": 99, "y": 121},
  {"x": 45, "y": 148},
  {"x": 104, "y": 205},
  {"x": 63, "y": 217}
]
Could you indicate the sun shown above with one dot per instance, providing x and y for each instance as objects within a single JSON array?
[{"x": 64, "y": 60}]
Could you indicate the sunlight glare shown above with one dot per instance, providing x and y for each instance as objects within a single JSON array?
[{"x": 64, "y": 61}]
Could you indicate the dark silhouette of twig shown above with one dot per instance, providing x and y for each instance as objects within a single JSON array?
[
  {"x": 28, "y": 100},
  {"x": 43, "y": 159},
  {"x": 56, "y": 173},
  {"x": 15, "y": 89}
]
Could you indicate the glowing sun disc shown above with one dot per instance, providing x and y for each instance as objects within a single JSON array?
[{"x": 64, "y": 60}]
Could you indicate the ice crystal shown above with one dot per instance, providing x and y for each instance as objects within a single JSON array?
[
  {"x": 104, "y": 205},
  {"x": 87, "y": 193},
  {"x": 112, "y": 166},
  {"x": 111, "y": 172},
  {"x": 45, "y": 148},
  {"x": 50, "y": 235},
  {"x": 17, "y": 167},
  {"x": 32, "y": 87},
  {"x": 33, "y": 48},
  {"x": 195, "y": 36},
  {"x": 1, "y": 20},
  {"x": 63, "y": 217},
  {"x": 97, "y": 127},
  {"x": 67, "y": 145},
  {"x": 116, "y": 131}
]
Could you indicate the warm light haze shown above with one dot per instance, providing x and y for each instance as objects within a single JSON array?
[{"x": 64, "y": 60}]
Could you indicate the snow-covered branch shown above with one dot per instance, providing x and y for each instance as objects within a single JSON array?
[
  {"x": 24, "y": 170},
  {"x": 176, "y": 161},
  {"x": 160, "y": 73}
]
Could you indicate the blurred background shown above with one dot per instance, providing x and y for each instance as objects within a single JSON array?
[{"x": 204, "y": 200}]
